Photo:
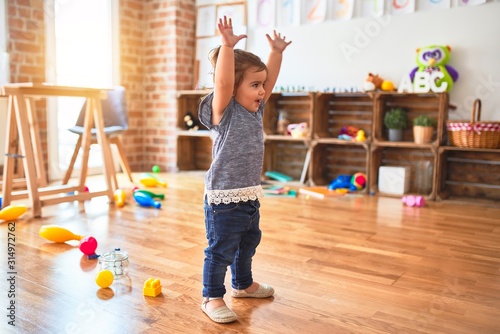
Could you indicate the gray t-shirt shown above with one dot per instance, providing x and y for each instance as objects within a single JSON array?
[{"x": 237, "y": 153}]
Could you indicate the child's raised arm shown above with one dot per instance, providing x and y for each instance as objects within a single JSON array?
[
  {"x": 278, "y": 45},
  {"x": 224, "y": 69}
]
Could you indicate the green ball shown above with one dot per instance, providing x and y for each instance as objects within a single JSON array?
[{"x": 156, "y": 169}]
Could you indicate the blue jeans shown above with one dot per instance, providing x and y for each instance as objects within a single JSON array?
[{"x": 233, "y": 234}]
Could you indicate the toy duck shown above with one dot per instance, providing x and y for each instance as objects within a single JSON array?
[{"x": 360, "y": 136}]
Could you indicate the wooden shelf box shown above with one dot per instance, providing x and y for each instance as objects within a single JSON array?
[
  {"x": 331, "y": 160},
  {"x": 469, "y": 175},
  {"x": 299, "y": 108},
  {"x": 411, "y": 157},
  {"x": 189, "y": 101},
  {"x": 194, "y": 152},
  {"x": 286, "y": 156},
  {"x": 334, "y": 111},
  {"x": 430, "y": 104}
]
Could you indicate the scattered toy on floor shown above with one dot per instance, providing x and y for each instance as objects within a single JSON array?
[
  {"x": 412, "y": 200},
  {"x": 152, "y": 287},
  {"x": 12, "y": 212}
]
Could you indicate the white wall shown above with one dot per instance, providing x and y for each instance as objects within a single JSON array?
[
  {"x": 4, "y": 56},
  {"x": 315, "y": 58}
]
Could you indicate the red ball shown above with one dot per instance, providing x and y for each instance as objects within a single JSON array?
[{"x": 88, "y": 245}]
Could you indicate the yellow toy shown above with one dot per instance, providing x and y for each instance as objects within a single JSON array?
[
  {"x": 152, "y": 287},
  {"x": 58, "y": 234},
  {"x": 360, "y": 136},
  {"x": 12, "y": 212},
  {"x": 149, "y": 180},
  {"x": 120, "y": 197},
  {"x": 104, "y": 278}
]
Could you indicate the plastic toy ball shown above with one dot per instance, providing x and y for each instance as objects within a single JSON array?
[
  {"x": 155, "y": 169},
  {"x": 358, "y": 180},
  {"x": 88, "y": 245},
  {"x": 104, "y": 278}
]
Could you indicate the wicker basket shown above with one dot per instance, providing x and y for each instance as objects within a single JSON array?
[{"x": 474, "y": 134}]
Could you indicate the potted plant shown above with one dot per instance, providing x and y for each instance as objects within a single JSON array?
[
  {"x": 396, "y": 120},
  {"x": 423, "y": 128}
]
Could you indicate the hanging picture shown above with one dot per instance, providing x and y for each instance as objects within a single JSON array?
[
  {"x": 425, "y": 5},
  {"x": 265, "y": 16},
  {"x": 205, "y": 21},
  {"x": 371, "y": 8},
  {"x": 402, "y": 6},
  {"x": 288, "y": 13},
  {"x": 470, "y": 2},
  {"x": 314, "y": 11},
  {"x": 342, "y": 10},
  {"x": 235, "y": 11}
]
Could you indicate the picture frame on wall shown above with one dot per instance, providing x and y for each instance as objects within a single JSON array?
[
  {"x": 237, "y": 13},
  {"x": 206, "y": 21}
]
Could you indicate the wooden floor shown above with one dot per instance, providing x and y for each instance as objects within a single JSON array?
[{"x": 356, "y": 264}]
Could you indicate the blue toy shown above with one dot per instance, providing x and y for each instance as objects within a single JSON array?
[
  {"x": 145, "y": 200},
  {"x": 351, "y": 182},
  {"x": 342, "y": 182}
]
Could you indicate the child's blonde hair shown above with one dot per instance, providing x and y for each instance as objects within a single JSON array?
[{"x": 243, "y": 60}]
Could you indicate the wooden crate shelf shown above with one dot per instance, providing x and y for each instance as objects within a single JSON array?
[
  {"x": 334, "y": 111},
  {"x": 330, "y": 160},
  {"x": 470, "y": 175},
  {"x": 402, "y": 157},
  {"x": 287, "y": 157},
  {"x": 458, "y": 174},
  {"x": 433, "y": 105},
  {"x": 189, "y": 101},
  {"x": 194, "y": 152},
  {"x": 299, "y": 108}
]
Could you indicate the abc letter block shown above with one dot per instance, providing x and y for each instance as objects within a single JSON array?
[{"x": 152, "y": 287}]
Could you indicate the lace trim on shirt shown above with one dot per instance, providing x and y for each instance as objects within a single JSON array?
[{"x": 234, "y": 195}]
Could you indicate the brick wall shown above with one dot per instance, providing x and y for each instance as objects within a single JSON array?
[
  {"x": 26, "y": 47},
  {"x": 157, "y": 50},
  {"x": 156, "y": 60}
]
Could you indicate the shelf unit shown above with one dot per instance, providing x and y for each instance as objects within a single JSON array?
[
  {"x": 319, "y": 157},
  {"x": 468, "y": 175}
]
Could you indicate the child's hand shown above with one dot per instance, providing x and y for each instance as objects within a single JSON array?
[
  {"x": 278, "y": 44},
  {"x": 226, "y": 30}
]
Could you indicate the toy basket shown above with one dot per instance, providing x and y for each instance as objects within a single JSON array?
[{"x": 474, "y": 134}]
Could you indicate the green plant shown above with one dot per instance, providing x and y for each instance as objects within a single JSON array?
[
  {"x": 424, "y": 120},
  {"x": 396, "y": 118}
]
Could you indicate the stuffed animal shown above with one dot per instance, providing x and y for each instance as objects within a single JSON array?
[
  {"x": 372, "y": 82},
  {"x": 190, "y": 122},
  {"x": 435, "y": 58}
]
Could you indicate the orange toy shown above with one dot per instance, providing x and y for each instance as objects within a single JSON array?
[
  {"x": 120, "y": 197},
  {"x": 12, "y": 212},
  {"x": 58, "y": 234}
]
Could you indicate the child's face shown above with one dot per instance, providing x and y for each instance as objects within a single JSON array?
[{"x": 251, "y": 91}]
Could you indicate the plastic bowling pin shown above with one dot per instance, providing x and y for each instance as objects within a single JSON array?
[
  {"x": 151, "y": 194},
  {"x": 12, "y": 212},
  {"x": 146, "y": 200},
  {"x": 149, "y": 180},
  {"x": 120, "y": 197},
  {"x": 58, "y": 234}
]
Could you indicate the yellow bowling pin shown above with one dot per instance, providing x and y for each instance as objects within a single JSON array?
[
  {"x": 12, "y": 212},
  {"x": 58, "y": 234},
  {"x": 120, "y": 197},
  {"x": 149, "y": 180}
]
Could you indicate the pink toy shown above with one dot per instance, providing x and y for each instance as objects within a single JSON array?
[{"x": 411, "y": 200}]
